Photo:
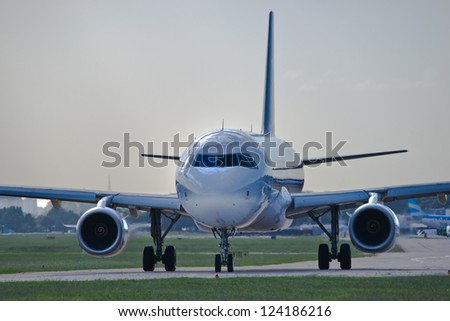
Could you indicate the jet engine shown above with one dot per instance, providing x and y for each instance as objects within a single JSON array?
[
  {"x": 373, "y": 228},
  {"x": 102, "y": 231}
]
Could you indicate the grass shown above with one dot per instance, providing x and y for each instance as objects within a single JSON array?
[
  {"x": 422, "y": 288},
  {"x": 57, "y": 252},
  {"x": 38, "y": 252}
]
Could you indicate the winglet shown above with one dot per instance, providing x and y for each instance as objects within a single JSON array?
[{"x": 268, "y": 127}]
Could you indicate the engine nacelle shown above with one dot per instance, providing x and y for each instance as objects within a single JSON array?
[
  {"x": 102, "y": 231},
  {"x": 373, "y": 228}
]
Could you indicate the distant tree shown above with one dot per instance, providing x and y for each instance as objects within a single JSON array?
[
  {"x": 55, "y": 220},
  {"x": 13, "y": 218},
  {"x": 29, "y": 224}
]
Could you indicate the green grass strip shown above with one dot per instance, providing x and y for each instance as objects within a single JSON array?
[{"x": 420, "y": 288}]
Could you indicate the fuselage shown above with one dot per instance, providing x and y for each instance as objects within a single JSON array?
[
  {"x": 238, "y": 180},
  {"x": 439, "y": 222}
]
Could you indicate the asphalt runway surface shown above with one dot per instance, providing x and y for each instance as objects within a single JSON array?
[{"x": 429, "y": 256}]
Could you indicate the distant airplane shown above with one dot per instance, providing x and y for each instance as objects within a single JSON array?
[
  {"x": 231, "y": 180},
  {"x": 420, "y": 218},
  {"x": 438, "y": 222},
  {"x": 414, "y": 209}
]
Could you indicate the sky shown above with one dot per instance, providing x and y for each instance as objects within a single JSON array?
[{"x": 76, "y": 75}]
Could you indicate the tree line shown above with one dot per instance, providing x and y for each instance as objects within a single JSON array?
[{"x": 14, "y": 220}]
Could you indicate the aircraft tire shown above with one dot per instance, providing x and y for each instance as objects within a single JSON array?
[
  {"x": 230, "y": 263},
  {"x": 148, "y": 259},
  {"x": 345, "y": 257},
  {"x": 324, "y": 257},
  {"x": 218, "y": 263},
  {"x": 170, "y": 258}
]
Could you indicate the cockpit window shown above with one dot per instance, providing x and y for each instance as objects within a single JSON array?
[
  {"x": 246, "y": 160},
  {"x": 228, "y": 160}
]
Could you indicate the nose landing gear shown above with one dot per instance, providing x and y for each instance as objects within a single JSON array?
[{"x": 224, "y": 258}]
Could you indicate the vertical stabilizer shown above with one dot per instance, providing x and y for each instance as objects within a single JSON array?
[{"x": 268, "y": 127}]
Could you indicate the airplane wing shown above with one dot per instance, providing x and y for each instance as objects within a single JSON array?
[
  {"x": 169, "y": 202},
  {"x": 303, "y": 203}
]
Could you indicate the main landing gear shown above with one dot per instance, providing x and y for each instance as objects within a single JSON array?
[
  {"x": 224, "y": 258},
  {"x": 149, "y": 256},
  {"x": 344, "y": 255}
]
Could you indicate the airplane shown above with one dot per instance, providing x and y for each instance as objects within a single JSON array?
[
  {"x": 426, "y": 220},
  {"x": 414, "y": 210},
  {"x": 231, "y": 180},
  {"x": 438, "y": 222}
]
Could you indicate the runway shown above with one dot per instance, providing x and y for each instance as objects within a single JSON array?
[{"x": 421, "y": 257}]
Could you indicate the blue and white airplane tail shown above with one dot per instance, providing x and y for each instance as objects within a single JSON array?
[{"x": 414, "y": 209}]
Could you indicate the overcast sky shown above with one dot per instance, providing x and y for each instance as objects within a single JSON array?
[{"x": 75, "y": 75}]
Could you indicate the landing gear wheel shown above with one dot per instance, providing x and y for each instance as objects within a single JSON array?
[
  {"x": 230, "y": 263},
  {"x": 345, "y": 257},
  {"x": 148, "y": 259},
  {"x": 218, "y": 263},
  {"x": 170, "y": 258},
  {"x": 324, "y": 257}
]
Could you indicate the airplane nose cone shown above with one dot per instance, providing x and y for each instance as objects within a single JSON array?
[
  {"x": 222, "y": 181},
  {"x": 227, "y": 198}
]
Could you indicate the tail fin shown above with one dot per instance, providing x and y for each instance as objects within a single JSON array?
[
  {"x": 414, "y": 209},
  {"x": 268, "y": 116}
]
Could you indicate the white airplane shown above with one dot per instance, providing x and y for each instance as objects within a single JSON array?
[
  {"x": 438, "y": 222},
  {"x": 231, "y": 180},
  {"x": 433, "y": 221}
]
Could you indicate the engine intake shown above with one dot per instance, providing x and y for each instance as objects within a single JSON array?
[
  {"x": 373, "y": 228},
  {"x": 102, "y": 231}
]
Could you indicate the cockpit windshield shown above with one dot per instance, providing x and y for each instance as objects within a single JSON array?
[{"x": 227, "y": 160}]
